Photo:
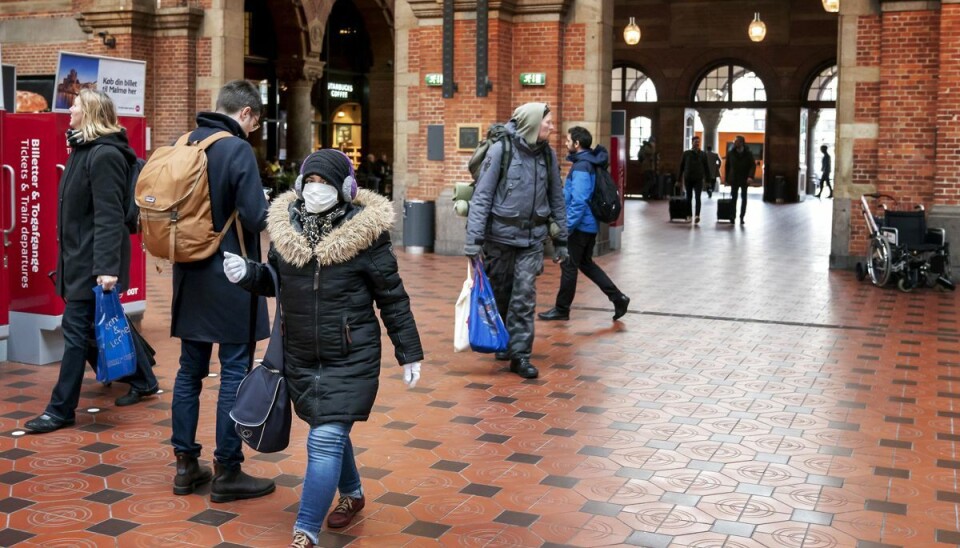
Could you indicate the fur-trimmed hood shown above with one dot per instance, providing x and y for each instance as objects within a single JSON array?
[{"x": 344, "y": 242}]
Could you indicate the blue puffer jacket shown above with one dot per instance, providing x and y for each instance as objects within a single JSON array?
[{"x": 579, "y": 188}]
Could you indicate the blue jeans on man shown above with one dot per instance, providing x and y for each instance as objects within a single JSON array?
[{"x": 194, "y": 367}]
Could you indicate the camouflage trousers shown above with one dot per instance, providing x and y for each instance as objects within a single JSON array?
[{"x": 513, "y": 275}]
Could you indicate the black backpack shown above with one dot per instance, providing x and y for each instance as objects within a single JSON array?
[
  {"x": 605, "y": 202},
  {"x": 131, "y": 218}
]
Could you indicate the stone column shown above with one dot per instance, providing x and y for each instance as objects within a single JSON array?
[
  {"x": 813, "y": 147},
  {"x": 300, "y": 78},
  {"x": 710, "y": 118}
]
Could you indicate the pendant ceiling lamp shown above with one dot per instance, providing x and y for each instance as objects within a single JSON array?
[
  {"x": 832, "y": 6},
  {"x": 631, "y": 33},
  {"x": 757, "y": 29}
]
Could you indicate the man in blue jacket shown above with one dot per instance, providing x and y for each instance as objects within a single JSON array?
[{"x": 582, "y": 227}]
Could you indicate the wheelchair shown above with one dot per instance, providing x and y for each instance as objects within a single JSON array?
[{"x": 903, "y": 249}]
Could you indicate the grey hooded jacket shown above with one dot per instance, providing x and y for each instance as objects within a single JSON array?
[{"x": 516, "y": 212}]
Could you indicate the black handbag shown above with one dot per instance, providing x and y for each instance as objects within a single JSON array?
[{"x": 262, "y": 410}]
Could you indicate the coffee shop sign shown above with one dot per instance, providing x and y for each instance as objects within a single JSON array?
[{"x": 339, "y": 91}]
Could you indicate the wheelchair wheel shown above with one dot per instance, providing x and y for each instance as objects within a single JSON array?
[
  {"x": 879, "y": 263},
  {"x": 861, "y": 272},
  {"x": 905, "y": 285}
]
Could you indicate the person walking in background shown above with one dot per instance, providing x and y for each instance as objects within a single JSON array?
[
  {"x": 331, "y": 251},
  {"x": 713, "y": 163},
  {"x": 694, "y": 172},
  {"x": 208, "y": 310},
  {"x": 508, "y": 221},
  {"x": 825, "y": 170},
  {"x": 582, "y": 227},
  {"x": 94, "y": 249},
  {"x": 738, "y": 173}
]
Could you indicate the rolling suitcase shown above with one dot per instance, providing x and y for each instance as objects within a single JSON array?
[
  {"x": 726, "y": 210},
  {"x": 679, "y": 208}
]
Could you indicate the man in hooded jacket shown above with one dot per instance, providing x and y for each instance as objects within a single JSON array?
[
  {"x": 508, "y": 222},
  {"x": 582, "y": 227}
]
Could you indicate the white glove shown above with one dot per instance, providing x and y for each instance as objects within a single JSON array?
[
  {"x": 411, "y": 374},
  {"x": 234, "y": 266}
]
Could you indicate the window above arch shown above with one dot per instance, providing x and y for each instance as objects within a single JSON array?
[
  {"x": 730, "y": 84},
  {"x": 631, "y": 85},
  {"x": 824, "y": 86}
]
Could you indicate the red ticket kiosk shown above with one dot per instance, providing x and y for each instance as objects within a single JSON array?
[
  {"x": 6, "y": 221},
  {"x": 35, "y": 150}
]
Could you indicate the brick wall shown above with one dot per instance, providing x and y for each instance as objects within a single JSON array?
[
  {"x": 514, "y": 47},
  {"x": 947, "y": 190},
  {"x": 916, "y": 153}
]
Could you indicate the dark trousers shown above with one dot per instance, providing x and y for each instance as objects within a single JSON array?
[
  {"x": 80, "y": 346},
  {"x": 580, "y": 245},
  {"x": 513, "y": 275},
  {"x": 694, "y": 186},
  {"x": 825, "y": 182},
  {"x": 743, "y": 195},
  {"x": 194, "y": 367}
]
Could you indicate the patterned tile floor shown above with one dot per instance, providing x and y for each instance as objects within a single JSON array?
[{"x": 751, "y": 397}]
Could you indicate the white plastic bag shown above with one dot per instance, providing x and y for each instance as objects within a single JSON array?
[{"x": 461, "y": 333}]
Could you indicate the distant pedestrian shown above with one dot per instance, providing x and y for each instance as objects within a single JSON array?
[
  {"x": 738, "y": 173},
  {"x": 825, "y": 170},
  {"x": 694, "y": 172}
]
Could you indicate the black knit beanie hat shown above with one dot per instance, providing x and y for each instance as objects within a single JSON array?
[{"x": 334, "y": 167}]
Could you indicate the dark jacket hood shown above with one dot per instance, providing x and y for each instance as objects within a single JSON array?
[
  {"x": 117, "y": 140},
  {"x": 599, "y": 157},
  {"x": 220, "y": 122}
]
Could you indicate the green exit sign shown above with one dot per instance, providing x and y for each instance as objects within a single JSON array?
[
  {"x": 533, "y": 78},
  {"x": 434, "y": 79}
]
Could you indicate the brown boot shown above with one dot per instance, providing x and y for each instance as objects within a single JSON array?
[
  {"x": 346, "y": 509},
  {"x": 190, "y": 475},
  {"x": 301, "y": 540},
  {"x": 231, "y": 484}
]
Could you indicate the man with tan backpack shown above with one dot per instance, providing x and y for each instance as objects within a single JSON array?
[{"x": 200, "y": 198}]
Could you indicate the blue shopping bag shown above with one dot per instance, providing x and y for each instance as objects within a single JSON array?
[
  {"x": 487, "y": 332},
  {"x": 116, "y": 356}
]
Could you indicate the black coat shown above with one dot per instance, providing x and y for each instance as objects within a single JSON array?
[
  {"x": 327, "y": 293},
  {"x": 92, "y": 202},
  {"x": 739, "y": 167},
  {"x": 206, "y": 306}
]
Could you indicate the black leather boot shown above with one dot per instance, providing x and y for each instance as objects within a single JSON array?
[
  {"x": 190, "y": 475},
  {"x": 231, "y": 484},
  {"x": 523, "y": 367}
]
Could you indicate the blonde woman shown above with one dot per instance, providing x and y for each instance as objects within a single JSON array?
[{"x": 94, "y": 247}]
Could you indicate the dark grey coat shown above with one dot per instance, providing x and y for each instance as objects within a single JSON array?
[
  {"x": 332, "y": 344},
  {"x": 92, "y": 203},
  {"x": 206, "y": 306},
  {"x": 515, "y": 212}
]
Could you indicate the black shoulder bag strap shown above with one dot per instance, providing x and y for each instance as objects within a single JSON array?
[{"x": 273, "y": 357}]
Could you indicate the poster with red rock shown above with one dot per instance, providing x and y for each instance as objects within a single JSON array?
[{"x": 122, "y": 79}]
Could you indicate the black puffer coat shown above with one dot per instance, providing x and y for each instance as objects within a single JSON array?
[{"x": 332, "y": 335}]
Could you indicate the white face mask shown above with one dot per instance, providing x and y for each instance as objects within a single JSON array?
[{"x": 319, "y": 197}]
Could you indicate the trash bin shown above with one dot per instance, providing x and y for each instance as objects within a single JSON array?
[
  {"x": 780, "y": 189},
  {"x": 418, "y": 225}
]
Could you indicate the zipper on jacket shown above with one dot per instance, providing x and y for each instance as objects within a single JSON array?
[{"x": 316, "y": 314}]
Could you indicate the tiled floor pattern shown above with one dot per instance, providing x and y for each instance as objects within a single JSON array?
[{"x": 750, "y": 398}]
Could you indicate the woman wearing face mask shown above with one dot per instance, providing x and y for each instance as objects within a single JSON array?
[{"x": 332, "y": 253}]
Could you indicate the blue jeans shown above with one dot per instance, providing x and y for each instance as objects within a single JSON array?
[
  {"x": 330, "y": 466},
  {"x": 194, "y": 367}
]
